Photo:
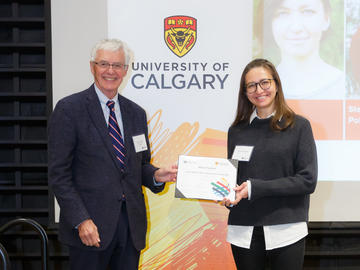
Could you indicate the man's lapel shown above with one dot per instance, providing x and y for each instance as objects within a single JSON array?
[{"x": 97, "y": 117}]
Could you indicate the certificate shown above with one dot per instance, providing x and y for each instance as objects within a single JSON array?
[{"x": 206, "y": 178}]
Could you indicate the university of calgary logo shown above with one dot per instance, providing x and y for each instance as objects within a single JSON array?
[{"x": 180, "y": 34}]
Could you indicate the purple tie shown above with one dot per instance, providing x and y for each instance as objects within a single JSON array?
[{"x": 115, "y": 134}]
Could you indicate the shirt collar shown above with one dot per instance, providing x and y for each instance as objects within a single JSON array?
[
  {"x": 104, "y": 99},
  {"x": 254, "y": 115}
]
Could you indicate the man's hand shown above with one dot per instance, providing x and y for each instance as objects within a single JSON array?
[
  {"x": 166, "y": 174},
  {"x": 88, "y": 233},
  {"x": 241, "y": 192}
]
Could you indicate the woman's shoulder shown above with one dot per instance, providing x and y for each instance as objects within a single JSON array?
[
  {"x": 238, "y": 126},
  {"x": 301, "y": 121}
]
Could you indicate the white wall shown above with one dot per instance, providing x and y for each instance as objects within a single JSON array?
[{"x": 76, "y": 25}]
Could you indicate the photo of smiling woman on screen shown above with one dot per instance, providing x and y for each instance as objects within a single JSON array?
[{"x": 300, "y": 37}]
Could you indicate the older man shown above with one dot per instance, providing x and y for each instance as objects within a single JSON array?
[{"x": 98, "y": 162}]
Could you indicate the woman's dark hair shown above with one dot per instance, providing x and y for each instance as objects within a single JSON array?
[{"x": 245, "y": 107}]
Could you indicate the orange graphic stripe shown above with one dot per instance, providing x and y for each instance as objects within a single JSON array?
[{"x": 216, "y": 142}]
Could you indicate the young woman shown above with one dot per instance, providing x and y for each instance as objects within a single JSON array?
[{"x": 267, "y": 220}]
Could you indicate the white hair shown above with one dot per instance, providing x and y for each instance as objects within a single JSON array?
[{"x": 111, "y": 45}]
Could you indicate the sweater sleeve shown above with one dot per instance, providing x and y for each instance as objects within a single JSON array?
[{"x": 305, "y": 177}]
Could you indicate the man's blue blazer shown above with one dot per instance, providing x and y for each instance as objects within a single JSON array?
[{"x": 85, "y": 175}]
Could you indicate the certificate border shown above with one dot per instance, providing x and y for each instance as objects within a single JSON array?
[{"x": 180, "y": 195}]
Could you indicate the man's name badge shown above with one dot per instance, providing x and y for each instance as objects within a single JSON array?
[
  {"x": 140, "y": 143},
  {"x": 242, "y": 152}
]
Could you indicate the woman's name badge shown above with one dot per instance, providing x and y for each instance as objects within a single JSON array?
[
  {"x": 139, "y": 143},
  {"x": 242, "y": 152}
]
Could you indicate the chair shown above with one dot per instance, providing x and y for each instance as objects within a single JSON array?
[{"x": 36, "y": 227}]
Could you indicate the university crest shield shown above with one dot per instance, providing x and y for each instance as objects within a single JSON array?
[{"x": 180, "y": 34}]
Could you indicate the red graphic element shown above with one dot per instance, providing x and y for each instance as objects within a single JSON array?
[
  {"x": 178, "y": 21},
  {"x": 221, "y": 184}
]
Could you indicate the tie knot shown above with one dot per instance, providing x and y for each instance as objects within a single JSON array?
[{"x": 110, "y": 104}]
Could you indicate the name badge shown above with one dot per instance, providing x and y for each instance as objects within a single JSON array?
[
  {"x": 242, "y": 152},
  {"x": 140, "y": 143}
]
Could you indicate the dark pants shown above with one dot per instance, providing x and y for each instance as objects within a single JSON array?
[
  {"x": 119, "y": 255},
  {"x": 257, "y": 258}
]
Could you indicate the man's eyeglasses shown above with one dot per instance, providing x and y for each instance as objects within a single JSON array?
[
  {"x": 264, "y": 84},
  {"x": 115, "y": 66}
]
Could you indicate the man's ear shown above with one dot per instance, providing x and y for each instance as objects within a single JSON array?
[{"x": 92, "y": 67}]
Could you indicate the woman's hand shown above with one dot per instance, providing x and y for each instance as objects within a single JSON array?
[{"x": 241, "y": 192}]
